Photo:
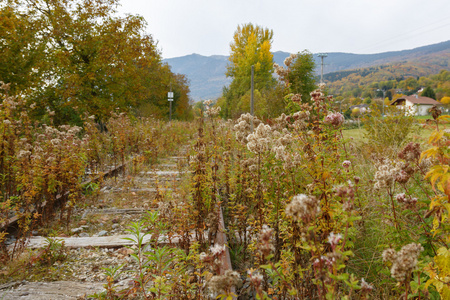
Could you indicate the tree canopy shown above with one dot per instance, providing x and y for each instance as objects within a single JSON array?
[
  {"x": 301, "y": 75},
  {"x": 250, "y": 47},
  {"x": 429, "y": 92},
  {"x": 79, "y": 57}
]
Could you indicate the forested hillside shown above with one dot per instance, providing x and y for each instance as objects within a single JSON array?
[
  {"x": 207, "y": 74},
  {"x": 364, "y": 85}
]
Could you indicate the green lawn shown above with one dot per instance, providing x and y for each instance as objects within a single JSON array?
[
  {"x": 356, "y": 134},
  {"x": 421, "y": 135}
]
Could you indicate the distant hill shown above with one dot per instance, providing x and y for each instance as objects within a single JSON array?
[{"x": 207, "y": 73}]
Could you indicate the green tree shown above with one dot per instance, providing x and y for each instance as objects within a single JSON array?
[
  {"x": 429, "y": 92},
  {"x": 21, "y": 49},
  {"x": 250, "y": 47},
  {"x": 301, "y": 75}
]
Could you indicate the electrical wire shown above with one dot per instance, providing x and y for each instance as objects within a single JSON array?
[{"x": 405, "y": 36}]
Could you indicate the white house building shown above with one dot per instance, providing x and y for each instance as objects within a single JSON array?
[{"x": 416, "y": 105}]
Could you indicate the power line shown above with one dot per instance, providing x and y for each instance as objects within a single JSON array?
[{"x": 408, "y": 35}]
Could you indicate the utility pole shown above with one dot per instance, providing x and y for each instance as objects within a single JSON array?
[
  {"x": 252, "y": 112},
  {"x": 252, "y": 108},
  {"x": 321, "y": 55}
]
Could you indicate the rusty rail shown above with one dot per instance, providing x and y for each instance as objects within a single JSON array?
[{"x": 221, "y": 239}]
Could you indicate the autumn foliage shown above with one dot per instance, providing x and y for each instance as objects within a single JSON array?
[{"x": 76, "y": 57}]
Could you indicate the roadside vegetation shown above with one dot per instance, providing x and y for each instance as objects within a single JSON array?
[{"x": 314, "y": 208}]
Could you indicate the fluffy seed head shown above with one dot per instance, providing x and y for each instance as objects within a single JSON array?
[
  {"x": 403, "y": 261},
  {"x": 303, "y": 207}
]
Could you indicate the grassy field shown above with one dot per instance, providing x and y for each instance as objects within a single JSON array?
[{"x": 421, "y": 135}]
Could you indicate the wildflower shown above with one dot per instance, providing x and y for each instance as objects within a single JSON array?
[
  {"x": 300, "y": 119},
  {"x": 334, "y": 239},
  {"x": 23, "y": 154},
  {"x": 253, "y": 168},
  {"x": 296, "y": 98},
  {"x": 386, "y": 174},
  {"x": 408, "y": 201},
  {"x": 243, "y": 127},
  {"x": 222, "y": 283},
  {"x": 55, "y": 142},
  {"x": 403, "y": 261},
  {"x": 402, "y": 177},
  {"x": 346, "y": 164},
  {"x": 7, "y": 122},
  {"x": 365, "y": 287},
  {"x": 335, "y": 119},
  {"x": 217, "y": 250},
  {"x": 212, "y": 111},
  {"x": 74, "y": 130},
  {"x": 302, "y": 115},
  {"x": 303, "y": 207},
  {"x": 260, "y": 140},
  {"x": 323, "y": 260},
  {"x": 255, "y": 277},
  {"x": 265, "y": 239},
  {"x": 347, "y": 206},
  {"x": 288, "y": 61},
  {"x": 279, "y": 152},
  {"x": 280, "y": 71},
  {"x": 425, "y": 163},
  {"x": 400, "y": 197},
  {"x": 317, "y": 95},
  {"x": 411, "y": 152}
]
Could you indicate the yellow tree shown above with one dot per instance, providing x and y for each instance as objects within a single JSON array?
[
  {"x": 250, "y": 47},
  {"x": 445, "y": 100}
]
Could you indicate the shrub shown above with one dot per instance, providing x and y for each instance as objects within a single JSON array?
[{"x": 389, "y": 132}]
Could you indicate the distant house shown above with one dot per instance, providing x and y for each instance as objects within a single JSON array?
[
  {"x": 417, "y": 105},
  {"x": 362, "y": 107}
]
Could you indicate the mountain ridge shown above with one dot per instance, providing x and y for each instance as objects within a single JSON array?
[{"x": 207, "y": 73}]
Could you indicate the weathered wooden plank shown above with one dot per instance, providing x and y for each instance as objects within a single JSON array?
[
  {"x": 113, "y": 241},
  {"x": 114, "y": 211},
  {"x": 9, "y": 285},
  {"x": 164, "y": 173},
  {"x": 135, "y": 190},
  {"x": 64, "y": 290}
]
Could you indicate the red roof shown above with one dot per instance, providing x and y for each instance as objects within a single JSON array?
[{"x": 416, "y": 100}]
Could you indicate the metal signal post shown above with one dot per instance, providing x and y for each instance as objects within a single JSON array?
[{"x": 170, "y": 97}]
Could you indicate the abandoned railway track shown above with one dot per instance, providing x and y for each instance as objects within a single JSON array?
[{"x": 98, "y": 236}]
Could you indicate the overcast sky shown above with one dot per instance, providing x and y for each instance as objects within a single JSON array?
[{"x": 206, "y": 27}]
